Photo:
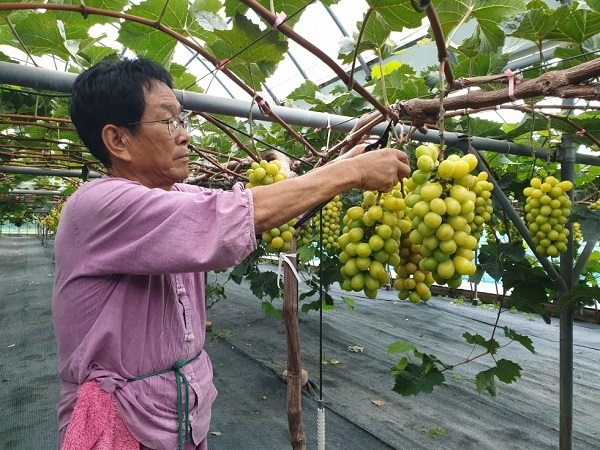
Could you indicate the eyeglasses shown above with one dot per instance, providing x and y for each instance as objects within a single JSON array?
[{"x": 174, "y": 124}]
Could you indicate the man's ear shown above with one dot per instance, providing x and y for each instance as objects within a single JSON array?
[{"x": 116, "y": 140}]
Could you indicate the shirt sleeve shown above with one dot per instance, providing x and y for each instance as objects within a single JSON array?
[{"x": 121, "y": 227}]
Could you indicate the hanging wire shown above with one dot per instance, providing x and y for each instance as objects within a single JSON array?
[{"x": 321, "y": 410}]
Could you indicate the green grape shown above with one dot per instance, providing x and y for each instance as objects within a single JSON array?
[
  {"x": 265, "y": 173},
  {"x": 547, "y": 208},
  {"x": 278, "y": 239},
  {"x": 448, "y": 212},
  {"x": 369, "y": 240}
]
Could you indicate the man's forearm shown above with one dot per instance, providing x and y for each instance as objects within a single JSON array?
[{"x": 277, "y": 203}]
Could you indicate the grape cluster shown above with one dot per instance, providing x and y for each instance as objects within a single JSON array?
[
  {"x": 330, "y": 232},
  {"x": 264, "y": 173},
  {"x": 52, "y": 219},
  {"x": 412, "y": 282},
  {"x": 595, "y": 206},
  {"x": 278, "y": 239},
  {"x": 547, "y": 209},
  {"x": 448, "y": 207},
  {"x": 370, "y": 240},
  {"x": 577, "y": 234}
]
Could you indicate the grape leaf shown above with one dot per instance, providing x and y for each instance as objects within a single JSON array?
[
  {"x": 401, "y": 364},
  {"x": 481, "y": 64},
  {"x": 507, "y": 371},
  {"x": 525, "y": 341},
  {"x": 401, "y": 85},
  {"x": 529, "y": 295},
  {"x": 484, "y": 381},
  {"x": 251, "y": 53},
  {"x": 398, "y": 14},
  {"x": 312, "y": 306},
  {"x": 490, "y": 345},
  {"x": 327, "y": 305},
  {"x": 40, "y": 33},
  {"x": 581, "y": 293},
  {"x": 488, "y": 13},
  {"x": 512, "y": 250},
  {"x": 491, "y": 265},
  {"x": 538, "y": 21},
  {"x": 375, "y": 34},
  {"x": 247, "y": 267},
  {"x": 577, "y": 26},
  {"x": 478, "y": 127},
  {"x": 401, "y": 347},
  {"x": 349, "y": 303},
  {"x": 416, "y": 379},
  {"x": 477, "y": 276},
  {"x": 265, "y": 283},
  {"x": 270, "y": 310},
  {"x": 306, "y": 253}
]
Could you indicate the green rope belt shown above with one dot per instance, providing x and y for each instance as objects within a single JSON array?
[{"x": 179, "y": 377}]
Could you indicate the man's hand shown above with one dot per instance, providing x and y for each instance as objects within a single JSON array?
[{"x": 381, "y": 169}]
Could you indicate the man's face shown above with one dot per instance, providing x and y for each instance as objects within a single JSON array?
[{"x": 158, "y": 160}]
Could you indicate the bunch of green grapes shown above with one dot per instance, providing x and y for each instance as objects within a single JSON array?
[
  {"x": 504, "y": 231},
  {"x": 448, "y": 207},
  {"x": 369, "y": 242},
  {"x": 330, "y": 232},
  {"x": 264, "y": 173},
  {"x": 412, "y": 282},
  {"x": 577, "y": 234},
  {"x": 307, "y": 235},
  {"x": 278, "y": 239},
  {"x": 53, "y": 217},
  {"x": 595, "y": 206},
  {"x": 547, "y": 209}
]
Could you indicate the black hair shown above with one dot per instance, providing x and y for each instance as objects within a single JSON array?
[{"x": 112, "y": 93}]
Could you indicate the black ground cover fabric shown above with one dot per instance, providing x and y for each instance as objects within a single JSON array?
[{"x": 248, "y": 353}]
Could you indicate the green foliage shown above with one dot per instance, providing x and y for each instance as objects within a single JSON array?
[
  {"x": 322, "y": 279},
  {"x": 490, "y": 345},
  {"x": 580, "y": 295},
  {"x": 589, "y": 221},
  {"x": 412, "y": 378},
  {"x": 214, "y": 292},
  {"x": 251, "y": 55},
  {"x": 505, "y": 370}
]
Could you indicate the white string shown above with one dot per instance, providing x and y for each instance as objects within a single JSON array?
[
  {"x": 286, "y": 257},
  {"x": 328, "y": 131}
]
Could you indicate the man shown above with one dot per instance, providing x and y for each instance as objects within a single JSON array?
[{"x": 131, "y": 249}]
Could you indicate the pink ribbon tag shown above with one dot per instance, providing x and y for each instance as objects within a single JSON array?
[{"x": 279, "y": 20}]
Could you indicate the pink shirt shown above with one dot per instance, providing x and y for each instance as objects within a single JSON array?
[{"x": 129, "y": 295}]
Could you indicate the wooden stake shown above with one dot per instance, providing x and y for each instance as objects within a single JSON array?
[{"x": 294, "y": 369}]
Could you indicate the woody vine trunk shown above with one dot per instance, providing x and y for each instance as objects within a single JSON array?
[{"x": 294, "y": 370}]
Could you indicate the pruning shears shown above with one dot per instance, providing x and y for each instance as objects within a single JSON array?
[{"x": 382, "y": 141}]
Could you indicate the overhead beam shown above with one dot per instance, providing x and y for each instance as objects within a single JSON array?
[
  {"x": 45, "y": 79},
  {"x": 33, "y": 192},
  {"x": 45, "y": 172}
]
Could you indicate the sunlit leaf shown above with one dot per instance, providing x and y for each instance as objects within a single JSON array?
[{"x": 249, "y": 52}]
